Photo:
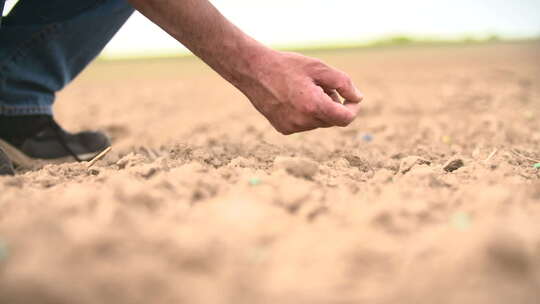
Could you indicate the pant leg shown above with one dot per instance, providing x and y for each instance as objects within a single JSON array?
[{"x": 45, "y": 44}]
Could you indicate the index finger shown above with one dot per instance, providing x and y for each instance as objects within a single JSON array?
[{"x": 341, "y": 82}]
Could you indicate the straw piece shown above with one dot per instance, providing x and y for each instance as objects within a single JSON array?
[
  {"x": 98, "y": 157},
  {"x": 491, "y": 155},
  {"x": 525, "y": 157}
]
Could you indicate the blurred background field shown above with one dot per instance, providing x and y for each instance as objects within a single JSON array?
[{"x": 304, "y": 24}]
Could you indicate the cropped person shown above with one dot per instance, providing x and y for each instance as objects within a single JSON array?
[{"x": 44, "y": 45}]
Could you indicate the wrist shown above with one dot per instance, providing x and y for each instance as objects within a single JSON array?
[{"x": 246, "y": 62}]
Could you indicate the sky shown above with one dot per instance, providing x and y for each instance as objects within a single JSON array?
[{"x": 301, "y": 23}]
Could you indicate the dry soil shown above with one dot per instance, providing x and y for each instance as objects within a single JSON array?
[{"x": 429, "y": 197}]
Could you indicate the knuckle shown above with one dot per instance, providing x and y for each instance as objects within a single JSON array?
[
  {"x": 317, "y": 65},
  {"x": 317, "y": 62}
]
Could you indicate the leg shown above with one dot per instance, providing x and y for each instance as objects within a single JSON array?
[
  {"x": 2, "y": 2},
  {"x": 45, "y": 44}
]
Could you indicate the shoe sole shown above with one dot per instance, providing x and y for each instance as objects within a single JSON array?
[{"x": 24, "y": 161}]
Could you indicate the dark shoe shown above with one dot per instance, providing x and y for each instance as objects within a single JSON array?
[
  {"x": 30, "y": 139},
  {"x": 6, "y": 167}
]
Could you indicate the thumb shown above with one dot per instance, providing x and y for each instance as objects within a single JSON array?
[{"x": 336, "y": 114}]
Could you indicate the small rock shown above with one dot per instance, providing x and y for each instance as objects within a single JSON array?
[
  {"x": 453, "y": 164},
  {"x": 298, "y": 167},
  {"x": 409, "y": 162}
]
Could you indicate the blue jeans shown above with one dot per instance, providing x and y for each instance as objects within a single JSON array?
[{"x": 45, "y": 44}]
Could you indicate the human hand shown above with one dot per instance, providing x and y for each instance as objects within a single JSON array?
[{"x": 297, "y": 93}]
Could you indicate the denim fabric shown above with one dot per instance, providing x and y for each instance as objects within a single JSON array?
[
  {"x": 2, "y": 3},
  {"x": 45, "y": 44}
]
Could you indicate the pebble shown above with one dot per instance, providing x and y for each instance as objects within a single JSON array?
[{"x": 453, "y": 164}]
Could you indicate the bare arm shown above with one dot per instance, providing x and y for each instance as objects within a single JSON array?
[{"x": 294, "y": 92}]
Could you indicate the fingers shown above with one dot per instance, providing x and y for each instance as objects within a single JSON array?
[
  {"x": 319, "y": 111},
  {"x": 333, "y": 94},
  {"x": 329, "y": 109},
  {"x": 301, "y": 126},
  {"x": 337, "y": 114},
  {"x": 332, "y": 79}
]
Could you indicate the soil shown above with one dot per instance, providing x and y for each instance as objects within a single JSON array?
[{"x": 431, "y": 196}]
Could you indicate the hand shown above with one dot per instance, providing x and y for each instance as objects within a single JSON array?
[{"x": 297, "y": 93}]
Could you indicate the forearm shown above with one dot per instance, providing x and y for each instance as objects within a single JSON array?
[{"x": 208, "y": 34}]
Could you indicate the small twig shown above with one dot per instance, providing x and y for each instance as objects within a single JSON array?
[
  {"x": 525, "y": 157},
  {"x": 98, "y": 157},
  {"x": 491, "y": 155}
]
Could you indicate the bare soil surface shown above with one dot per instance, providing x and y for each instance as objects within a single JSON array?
[{"x": 429, "y": 197}]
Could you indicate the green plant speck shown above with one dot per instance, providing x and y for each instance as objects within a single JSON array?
[
  {"x": 254, "y": 181},
  {"x": 3, "y": 251}
]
